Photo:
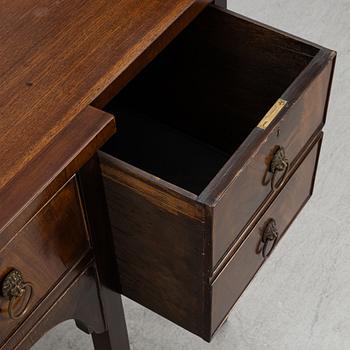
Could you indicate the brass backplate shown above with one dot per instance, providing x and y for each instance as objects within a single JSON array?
[{"x": 272, "y": 113}]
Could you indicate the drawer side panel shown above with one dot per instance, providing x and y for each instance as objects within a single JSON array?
[{"x": 159, "y": 251}]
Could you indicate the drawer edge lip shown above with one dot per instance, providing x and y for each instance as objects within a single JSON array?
[
  {"x": 116, "y": 82},
  {"x": 271, "y": 28},
  {"x": 73, "y": 180},
  {"x": 232, "y": 250},
  {"x": 308, "y": 75},
  {"x": 108, "y": 162},
  {"x": 186, "y": 202},
  {"x": 100, "y": 127},
  {"x": 217, "y": 187}
]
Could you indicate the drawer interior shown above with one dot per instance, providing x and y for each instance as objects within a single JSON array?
[{"x": 189, "y": 110}]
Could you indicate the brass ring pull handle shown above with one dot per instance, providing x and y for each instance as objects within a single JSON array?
[
  {"x": 279, "y": 163},
  {"x": 270, "y": 235},
  {"x": 16, "y": 290}
]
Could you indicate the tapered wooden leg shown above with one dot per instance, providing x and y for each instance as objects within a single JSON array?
[
  {"x": 116, "y": 336},
  {"x": 108, "y": 341},
  {"x": 95, "y": 204},
  {"x": 222, "y": 3}
]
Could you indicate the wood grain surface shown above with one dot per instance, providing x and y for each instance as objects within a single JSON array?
[
  {"x": 302, "y": 119},
  {"x": 75, "y": 297},
  {"x": 168, "y": 235},
  {"x": 30, "y": 188},
  {"x": 58, "y": 56},
  {"x": 239, "y": 271},
  {"x": 45, "y": 249}
]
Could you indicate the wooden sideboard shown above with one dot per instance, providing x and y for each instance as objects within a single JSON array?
[
  {"x": 219, "y": 126},
  {"x": 49, "y": 259}
]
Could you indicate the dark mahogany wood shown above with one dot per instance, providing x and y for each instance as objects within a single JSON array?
[
  {"x": 221, "y": 3},
  {"x": 115, "y": 337},
  {"x": 69, "y": 299},
  {"x": 61, "y": 55},
  {"x": 79, "y": 301},
  {"x": 32, "y": 187},
  {"x": 158, "y": 243},
  {"x": 44, "y": 235},
  {"x": 53, "y": 253},
  {"x": 303, "y": 117},
  {"x": 231, "y": 280},
  {"x": 187, "y": 173},
  {"x": 216, "y": 57},
  {"x": 53, "y": 241},
  {"x": 185, "y": 178}
]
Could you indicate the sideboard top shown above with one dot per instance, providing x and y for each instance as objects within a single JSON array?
[{"x": 56, "y": 57}]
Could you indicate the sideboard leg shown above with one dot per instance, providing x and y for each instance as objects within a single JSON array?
[
  {"x": 221, "y": 3},
  {"x": 115, "y": 337},
  {"x": 108, "y": 341},
  {"x": 103, "y": 342}
]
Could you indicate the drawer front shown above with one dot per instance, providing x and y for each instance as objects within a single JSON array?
[
  {"x": 241, "y": 268},
  {"x": 251, "y": 187},
  {"x": 42, "y": 251}
]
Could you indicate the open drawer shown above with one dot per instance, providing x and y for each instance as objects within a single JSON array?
[
  {"x": 229, "y": 283},
  {"x": 208, "y": 134}
]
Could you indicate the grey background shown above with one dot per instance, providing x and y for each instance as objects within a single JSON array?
[{"x": 301, "y": 297}]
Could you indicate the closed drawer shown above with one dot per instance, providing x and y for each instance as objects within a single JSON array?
[
  {"x": 208, "y": 133},
  {"x": 251, "y": 254},
  {"x": 49, "y": 245}
]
